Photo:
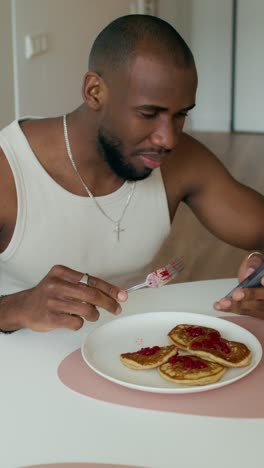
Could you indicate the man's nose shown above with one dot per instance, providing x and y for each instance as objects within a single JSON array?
[{"x": 165, "y": 136}]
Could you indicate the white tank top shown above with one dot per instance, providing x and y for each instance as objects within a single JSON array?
[{"x": 55, "y": 226}]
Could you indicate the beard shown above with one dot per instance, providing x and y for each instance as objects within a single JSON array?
[{"x": 111, "y": 150}]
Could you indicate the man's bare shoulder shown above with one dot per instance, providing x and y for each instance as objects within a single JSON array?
[
  {"x": 37, "y": 129},
  {"x": 7, "y": 191},
  {"x": 190, "y": 163},
  {"x": 191, "y": 149},
  {"x": 5, "y": 170}
]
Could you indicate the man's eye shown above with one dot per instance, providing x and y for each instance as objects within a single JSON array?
[
  {"x": 182, "y": 114},
  {"x": 148, "y": 115}
]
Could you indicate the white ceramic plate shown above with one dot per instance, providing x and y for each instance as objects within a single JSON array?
[{"x": 102, "y": 347}]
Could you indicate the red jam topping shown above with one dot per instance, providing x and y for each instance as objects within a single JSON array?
[
  {"x": 194, "y": 331},
  {"x": 198, "y": 331},
  {"x": 188, "y": 362},
  {"x": 214, "y": 335},
  {"x": 212, "y": 343},
  {"x": 224, "y": 346},
  {"x": 149, "y": 351}
]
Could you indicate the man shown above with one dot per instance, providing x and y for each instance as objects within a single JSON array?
[{"x": 96, "y": 190}]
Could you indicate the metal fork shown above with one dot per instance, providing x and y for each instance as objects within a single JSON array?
[{"x": 161, "y": 276}]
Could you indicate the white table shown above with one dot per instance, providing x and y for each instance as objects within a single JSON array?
[{"x": 42, "y": 421}]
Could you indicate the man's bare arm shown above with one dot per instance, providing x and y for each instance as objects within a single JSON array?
[{"x": 227, "y": 208}]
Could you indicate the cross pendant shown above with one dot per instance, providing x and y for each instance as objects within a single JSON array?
[{"x": 118, "y": 230}]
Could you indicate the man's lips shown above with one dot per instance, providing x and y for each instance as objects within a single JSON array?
[{"x": 150, "y": 160}]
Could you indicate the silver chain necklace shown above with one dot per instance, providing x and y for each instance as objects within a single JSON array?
[{"x": 117, "y": 222}]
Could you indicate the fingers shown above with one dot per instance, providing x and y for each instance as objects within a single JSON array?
[
  {"x": 71, "y": 322},
  {"x": 66, "y": 273},
  {"x": 250, "y": 264},
  {"x": 87, "y": 311},
  {"x": 254, "y": 256},
  {"x": 252, "y": 308},
  {"x": 52, "y": 321},
  {"x": 63, "y": 302},
  {"x": 63, "y": 316},
  {"x": 248, "y": 294},
  {"x": 76, "y": 297},
  {"x": 96, "y": 297},
  {"x": 245, "y": 294},
  {"x": 72, "y": 276},
  {"x": 246, "y": 301},
  {"x": 107, "y": 288},
  {"x": 229, "y": 305}
]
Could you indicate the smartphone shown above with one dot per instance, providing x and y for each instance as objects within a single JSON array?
[{"x": 252, "y": 281}]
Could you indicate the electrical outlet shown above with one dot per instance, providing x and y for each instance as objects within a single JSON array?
[{"x": 143, "y": 7}]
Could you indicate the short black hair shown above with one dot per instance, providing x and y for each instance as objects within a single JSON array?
[{"x": 119, "y": 41}]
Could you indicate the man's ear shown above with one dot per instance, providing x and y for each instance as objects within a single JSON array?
[{"x": 94, "y": 90}]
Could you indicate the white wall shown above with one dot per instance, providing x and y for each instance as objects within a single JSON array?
[
  {"x": 50, "y": 84},
  {"x": 7, "y": 111},
  {"x": 206, "y": 26},
  {"x": 179, "y": 13},
  {"x": 211, "y": 45},
  {"x": 249, "y": 95}
]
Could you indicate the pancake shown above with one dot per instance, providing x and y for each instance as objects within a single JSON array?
[
  {"x": 225, "y": 352},
  {"x": 148, "y": 358},
  {"x": 183, "y": 334},
  {"x": 191, "y": 370}
]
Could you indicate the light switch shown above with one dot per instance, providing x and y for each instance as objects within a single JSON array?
[
  {"x": 143, "y": 7},
  {"x": 35, "y": 44}
]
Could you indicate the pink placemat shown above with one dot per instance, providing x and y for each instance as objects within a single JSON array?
[{"x": 241, "y": 399}]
